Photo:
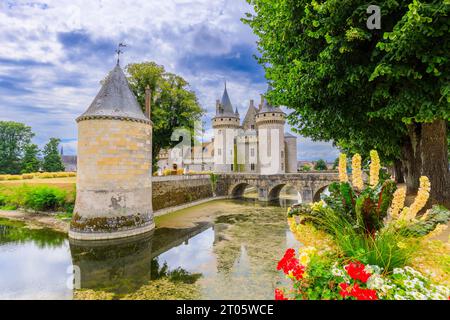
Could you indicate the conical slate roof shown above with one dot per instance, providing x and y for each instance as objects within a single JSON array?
[
  {"x": 267, "y": 107},
  {"x": 226, "y": 106},
  {"x": 249, "y": 119},
  {"x": 115, "y": 100}
]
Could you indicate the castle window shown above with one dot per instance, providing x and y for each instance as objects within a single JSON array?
[
  {"x": 252, "y": 126},
  {"x": 252, "y": 152},
  {"x": 252, "y": 167},
  {"x": 282, "y": 154},
  {"x": 219, "y": 152},
  {"x": 232, "y": 168}
]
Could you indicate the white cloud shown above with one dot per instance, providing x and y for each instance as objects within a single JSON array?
[{"x": 54, "y": 53}]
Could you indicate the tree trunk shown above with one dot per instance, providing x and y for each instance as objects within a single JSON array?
[
  {"x": 398, "y": 171},
  {"x": 434, "y": 159},
  {"x": 410, "y": 158}
]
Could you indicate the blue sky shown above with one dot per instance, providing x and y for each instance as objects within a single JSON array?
[{"x": 54, "y": 53}]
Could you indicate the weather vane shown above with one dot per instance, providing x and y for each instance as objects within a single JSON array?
[{"x": 119, "y": 52}]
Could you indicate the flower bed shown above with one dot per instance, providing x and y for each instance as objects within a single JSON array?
[{"x": 362, "y": 243}]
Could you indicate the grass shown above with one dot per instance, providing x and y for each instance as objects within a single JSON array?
[
  {"x": 386, "y": 249},
  {"x": 65, "y": 183},
  {"x": 36, "y": 197}
]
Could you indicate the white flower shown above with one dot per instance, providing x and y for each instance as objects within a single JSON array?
[
  {"x": 399, "y": 297},
  {"x": 375, "y": 282},
  {"x": 418, "y": 296},
  {"x": 408, "y": 283},
  {"x": 399, "y": 271}
]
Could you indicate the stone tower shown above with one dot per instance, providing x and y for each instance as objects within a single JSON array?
[
  {"x": 226, "y": 124},
  {"x": 291, "y": 153},
  {"x": 114, "y": 190},
  {"x": 271, "y": 148}
]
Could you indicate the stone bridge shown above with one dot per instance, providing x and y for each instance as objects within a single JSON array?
[{"x": 309, "y": 184}]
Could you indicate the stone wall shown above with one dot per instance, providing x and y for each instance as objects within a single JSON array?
[{"x": 169, "y": 191}]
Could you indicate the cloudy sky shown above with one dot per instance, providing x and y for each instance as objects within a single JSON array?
[{"x": 54, "y": 53}]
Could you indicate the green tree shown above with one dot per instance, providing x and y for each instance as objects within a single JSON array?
[
  {"x": 14, "y": 137},
  {"x": 364, "y": 89},
  {"x": 173, "y": 105},
  {"x": 336, "y": 163},
  {"x": 320, "y": 165},
  {"x": 52, "y": 159},
  {"x": 30, "y": 161},
  {"x": 305, "y": 168}
]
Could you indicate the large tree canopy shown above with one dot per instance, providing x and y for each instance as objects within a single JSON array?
[
  {"x": 173, "y": 105},
  {"x": 364, "y": 89},
  {"x": 14, "y": 137}
]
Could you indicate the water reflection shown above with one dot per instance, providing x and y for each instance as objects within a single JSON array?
[{"x": 232, "y": 256}]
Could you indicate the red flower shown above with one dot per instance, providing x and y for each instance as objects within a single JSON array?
[
  {"x": 356, "y": 292},
  {"x": 290, "y": 265},
  {"x": 357, "y": 272},
  {"x": 279, "y": 295}
]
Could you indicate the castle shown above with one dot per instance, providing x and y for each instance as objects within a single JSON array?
[{"x": 258, "y": 144}]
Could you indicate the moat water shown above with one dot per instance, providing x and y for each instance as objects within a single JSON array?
[{"x": 224, "y": 249}]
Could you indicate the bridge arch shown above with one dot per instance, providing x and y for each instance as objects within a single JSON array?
[
  {"x": 237, "y": 190},
  {"x": 274, "y": 192},
  {"x": 318, "y": 192}
]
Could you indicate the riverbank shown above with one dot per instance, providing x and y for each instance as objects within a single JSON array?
[
  {"x": 38, "y": 220},
  {"x": 174, "y": 217}
]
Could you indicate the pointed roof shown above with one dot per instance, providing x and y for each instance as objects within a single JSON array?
[
  {"x": 226, "y": 108},
  {"x": 249, "y": 119},
  {"x": 288, "y": 135},
  {"x": 115, "y": 100},
  {"x": 266, "y": 106}
]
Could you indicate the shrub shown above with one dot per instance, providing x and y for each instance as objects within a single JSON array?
[
  {"x": 45, "y": 198},
  {"x": 27, "y": 176},
  {"x": 3, "y": 177},
  {"x": 14, "y": 177},
  {"x": 38, "y": 198},
  {"x": 61, "y": 174},
  {"x": 46, "y": 175},
  {"x": 72, "y": 174}
]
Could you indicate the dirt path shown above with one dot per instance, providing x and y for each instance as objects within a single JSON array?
[{"x": 39, "y": 220}]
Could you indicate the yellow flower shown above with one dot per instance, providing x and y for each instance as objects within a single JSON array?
[
  {"x": 304, "y": 259},
  {"x": 357, "y": 172},
  {"x": 398, "y": 202},
  {"x": 401, "y": 245},
  {"x": 288, "y": 210},
  {"x": 343, "y": 168},
  {"x": 437, "y": 231},
  {"x": 316, "y": 206},
  {"x": 374, "y": 168},
  {"x": 422, "y": 197}
]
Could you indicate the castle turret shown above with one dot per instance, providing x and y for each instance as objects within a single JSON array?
[
  {"x": 270, "y": 122},
  {"x": 114, "y": 191},
  {"x": 226, "y": 124},
  {"x": 291, "y": 152}
]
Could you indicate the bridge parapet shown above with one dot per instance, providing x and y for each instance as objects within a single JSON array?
[{"x": 308, "y": 184}]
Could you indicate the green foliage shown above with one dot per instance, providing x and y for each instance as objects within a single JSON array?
[
  {"x": 213, "y": 178},
  {"x": 30, "y": 161},
  {"x": 44, "y": 198},
  {"x": 357, "y": 87},
  {"x": 437, "y": 215},
  {"x": 52, "y": 159},
  {"x": 14, "y": 137},
  {"x": 320, "y": 165},
  {"x": 320, "y": 284},
  {"x": 336, "y": 163},
  {"x": 173, "y": 105},
  {"x": 305, "y": 168},
  {"x": 37, "y": 198}
]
